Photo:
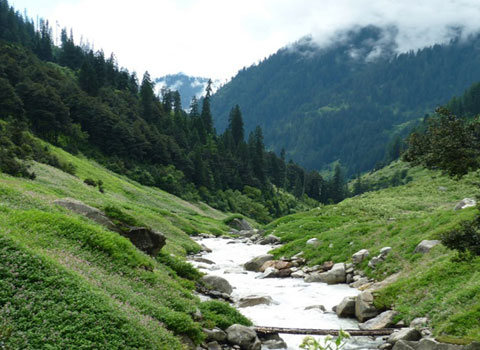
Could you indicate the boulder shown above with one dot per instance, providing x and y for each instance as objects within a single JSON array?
[
  {"x": 253, "y": 300},
  {"x": 427, "y": 344},
  {"x": 465, "y": 203},
  {"x": 218, "y": 283},
  {"x": 215, "y": 334},
  {"x": 374, "y": 262},
  {"x": 240, "y": 224},
  {"x": 410, "y": 334},
  {"x": 277, "y": 264},
  {"x": 90, "y": 212},
  {"x": 404, "y": 345},
  {"x": 256, "y": 263},
  {"x": 327, "y": 265},
  {"x": 270, "y": 239},
  {"x": 316, "y": 277},
  {"x": 364, "y": 308},
  {"x": 313, "y": 242},
  {"x": 213, "y": 345},
  {"x": 205, "y": 248},
  {"x": 384, "y": 320},
  {"x": 244, "y": 337},
  {"x": 346, "y": 308},
  {"x": 419, "y": 323},
  {"x": 146, "y": 240},
  {"x": 284, "y": 273},
  {"x": 203, "y": 260},
  {"x": 425, "y": 246},
  {"x": 360, "y": 282},
  {"x": 385, "y": 251},
  {"x": 336, "y": 274},
  {"x": 316, "y": 307},
  {"x": 272, "y": 341},
  {"x": 270, "y": 272},
  {"x": 359, "y": 256},
  {"x": 298, "y": 274},
  {"x": 473, "y": 346}
]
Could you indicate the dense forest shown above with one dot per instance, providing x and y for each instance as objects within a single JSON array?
[
  {"x": 80, "y": 100},
  {"x": 350, "y": 101}
]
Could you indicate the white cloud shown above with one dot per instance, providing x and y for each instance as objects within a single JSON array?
[{"x": 216, "y": 38}]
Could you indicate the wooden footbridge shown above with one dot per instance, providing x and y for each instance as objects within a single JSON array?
[{"x": 334, "y": 332}]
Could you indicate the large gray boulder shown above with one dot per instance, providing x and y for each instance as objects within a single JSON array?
[
  {"x": 253, "y": 300},
  {"x": 425, "y": 246},
  {"x": 404, "y": 345},
  {"x": 273, "y": 341},
  {"x": 384, "y": 320},
  {"x": 215, "y": 334},
  {"x": 364, "y": 308},
  {"x": 143, "y": 238},
  {"x": 244, "y": 337},
  {"x": 465, "y": 203},
  {"x": 336, "y": 275},
  {"x": 218, "y": 283},
  {"x": 81, "y": 208},
  {"x": 270, "y": 239},
  {"x": 410, "y": 334},
  {"x": 359, "y": 256},
  {"x": 240, "y": 225},
  {"x": 256, "y": 263},
  {"x": 346, "y": 308},
  {"x": 146, "y": 240}
]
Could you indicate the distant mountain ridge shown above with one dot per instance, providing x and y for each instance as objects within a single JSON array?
[
  {"x": 186, "y": 85},
  {"x": 346, "y": 102}
]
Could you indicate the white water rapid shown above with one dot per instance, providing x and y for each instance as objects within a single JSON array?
[{"x": 290, "y": 295}]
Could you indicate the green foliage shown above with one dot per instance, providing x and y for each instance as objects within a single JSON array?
[
  {"x": 465, "y": 239},
  {"x": 181, "y": 267},
  {"x": 220, "y": 314},
  {"x": 347, "y": 109},
  {"x": 449, "y": 143},
  {"x": 437, "y": 284},
  {"x": 119, "y": 217},
  {"x": 329, "y": 343}
]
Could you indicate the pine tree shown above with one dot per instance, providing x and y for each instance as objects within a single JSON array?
[
  {"x": 236, "y": 125},
  {"x": 206, "y": 112}
]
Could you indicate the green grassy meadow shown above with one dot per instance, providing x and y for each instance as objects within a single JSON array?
[
  {"x": 435, "y": 284},
  {"x": 66, "y": 282}
]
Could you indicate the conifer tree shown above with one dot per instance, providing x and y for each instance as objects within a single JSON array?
[{"x": 206, "y": 112}]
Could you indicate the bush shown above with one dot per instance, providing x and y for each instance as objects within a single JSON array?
[
  {"x": 222, "y": 314},
  {"x": 181, "y": 267},
  {"x": 90, "y": 182},
  {"x": 465, "y": 239},
  {"x": 119, "y": 217}
]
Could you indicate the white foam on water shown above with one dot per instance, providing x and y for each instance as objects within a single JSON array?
[{"x": 291, "y": 296}]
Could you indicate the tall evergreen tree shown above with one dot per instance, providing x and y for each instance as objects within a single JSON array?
[
  {"x": 206, "y": 112},
  {"x": 236, "y": 125}
]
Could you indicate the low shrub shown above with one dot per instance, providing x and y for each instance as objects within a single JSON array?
[{"x": 220, "y": 314}]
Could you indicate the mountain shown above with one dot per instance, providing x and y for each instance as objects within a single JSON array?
[
  {"x": 187, "y": 86},
  {"x": 348, "y": 101}
]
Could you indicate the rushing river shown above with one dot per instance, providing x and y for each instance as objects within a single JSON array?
[{"x": 291, "y": 296}]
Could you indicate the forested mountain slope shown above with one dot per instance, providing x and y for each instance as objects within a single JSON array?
[{"x": 349, "y": 100}]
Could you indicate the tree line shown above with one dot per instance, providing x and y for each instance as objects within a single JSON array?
[{"x": 82, "y": 101}]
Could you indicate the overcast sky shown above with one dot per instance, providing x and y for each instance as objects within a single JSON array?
[{"x": 216, "y": 38}]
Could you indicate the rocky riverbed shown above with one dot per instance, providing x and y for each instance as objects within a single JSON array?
[{"x": 277, "y": 302}]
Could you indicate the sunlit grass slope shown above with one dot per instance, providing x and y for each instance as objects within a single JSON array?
[
  {"x": 433, "y": 284},
  {"x": 68, "y": 283}
]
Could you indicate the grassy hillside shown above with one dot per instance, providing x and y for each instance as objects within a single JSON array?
[
  {"x": 434, "y": 284},
  {"x": 66, "y": 282}
]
